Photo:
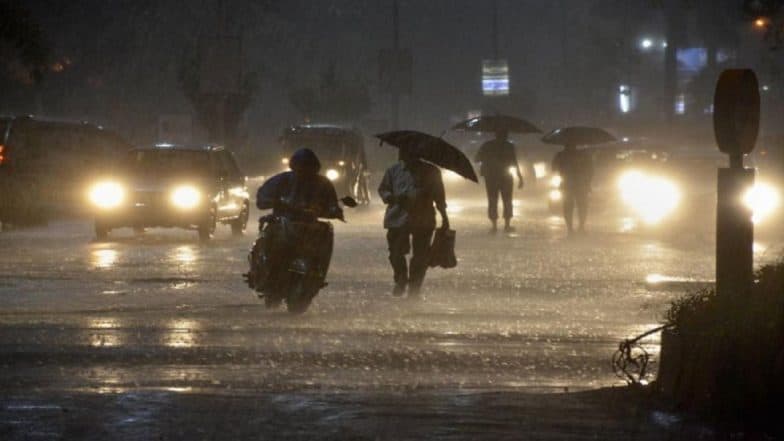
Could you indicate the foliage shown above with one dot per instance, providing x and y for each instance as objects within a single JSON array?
[
  {"x": 333, "y": 97},
  {"x": 22, "y": 45},
  {"x": 729, "y": 352}
]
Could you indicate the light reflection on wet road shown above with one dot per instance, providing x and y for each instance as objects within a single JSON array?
[{"x": 160, "y": 312}]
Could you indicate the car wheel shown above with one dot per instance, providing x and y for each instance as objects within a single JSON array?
[
  {"x": 207, "y": 227},
  {"x": 101, "y": 232},
  {"x": 239, "y": 224}
]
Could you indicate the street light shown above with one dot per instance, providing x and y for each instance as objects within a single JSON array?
[
  {"x": 646, "y": 43},
  {"x": 761, "y": 23}
]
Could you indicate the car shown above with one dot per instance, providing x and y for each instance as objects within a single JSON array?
[
  {"x": 192, "y": 187},
  {"x": 341, "y": 151},
  {"x": 45, "y": 165}
]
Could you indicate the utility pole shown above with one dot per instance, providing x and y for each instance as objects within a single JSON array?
[
  {"x": 396, "y": 52},
  {"x": 495, "y": 30}
]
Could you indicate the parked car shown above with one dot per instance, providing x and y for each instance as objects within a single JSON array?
[{"x": 193, "y": 187}]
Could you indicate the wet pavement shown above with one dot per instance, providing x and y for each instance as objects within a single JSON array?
[{"x": 156, "y": 336}]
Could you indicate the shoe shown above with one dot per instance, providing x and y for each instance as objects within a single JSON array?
[
  {"x": 509, "y": 229},
  {"x": 398, "y": 290}
]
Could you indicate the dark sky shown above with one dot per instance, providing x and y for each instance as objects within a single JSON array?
[{"x": 566, "y": 57}]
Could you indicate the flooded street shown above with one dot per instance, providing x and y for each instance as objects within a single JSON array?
[{"x": 158, "y": 323}]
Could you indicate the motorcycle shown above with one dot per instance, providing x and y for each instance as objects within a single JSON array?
[{"x": 290, "y": 259}]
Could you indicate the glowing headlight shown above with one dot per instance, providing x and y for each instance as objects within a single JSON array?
[
  {"x": 555, "y": 195},
  {"x": 540, "y": 170},
  {"x": 332, "y": 174},
  {"x": 555, "y": 181},
  {"x": 185, "y": 197},
  {"x": 651, "y": 197},
  {"x": 107, "y": 194},
  {"x": 762, "y": 199}
]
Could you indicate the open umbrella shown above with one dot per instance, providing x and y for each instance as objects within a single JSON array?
[
  {"x": 578, "y": 136},
  {"x": 497, "y": 123},
  {"x": 431, "y": 149}
]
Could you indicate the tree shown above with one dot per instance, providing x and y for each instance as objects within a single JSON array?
[
  {"x": 22, "y": 46},
  {"x": 333, "y": 97}
]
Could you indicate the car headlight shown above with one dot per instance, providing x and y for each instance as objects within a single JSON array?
[
  {"x": 332, "y": 174},
  {"x": 540, "y": 170},
  {"x": 762, "y": 199},
  {"x": 186, "y": 197},
  {"x": 651, "y": 197},
  {"x": 107, "y": 194}
]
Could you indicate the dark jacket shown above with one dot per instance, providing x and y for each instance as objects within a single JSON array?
[
  {"x": 410, "y": 192},
  {"x": 576, "y": 170},
  {"x": 496, "y": 157},
  {"x": 303, "y": 191}
]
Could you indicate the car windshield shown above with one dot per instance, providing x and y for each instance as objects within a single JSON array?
[
  {"x": 155, "y": 162},
  {"x": 327, "y": 148}
]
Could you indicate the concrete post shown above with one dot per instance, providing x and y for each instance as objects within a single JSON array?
[{"x": 734, "y": 234}]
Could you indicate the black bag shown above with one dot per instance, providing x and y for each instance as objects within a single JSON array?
[{"x": 442, "y": 251}]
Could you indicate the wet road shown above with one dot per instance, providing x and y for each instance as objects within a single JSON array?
[{"x": 142, "y": 334}]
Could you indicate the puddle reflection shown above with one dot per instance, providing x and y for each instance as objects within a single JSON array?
[
  {"x": 184, "y": 255},
  {"x": 103, "y": 258},
  {"x": 181, "y": 333},
  {"x": 103, "y": 333}
]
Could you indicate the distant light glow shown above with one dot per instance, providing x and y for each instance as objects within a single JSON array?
[
  {"x": 555, "y": 181},
  {"x": 555, "y": 195},
  {"x": 625, "y": 98},
  {"x": 512, "y": 171},
  {"x": 680, "y": 104},
  {"x": 646, "y": 43},
  {"x": 761, "y": 22}
]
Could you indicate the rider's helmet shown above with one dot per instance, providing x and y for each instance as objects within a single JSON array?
[{"x": 304, "y": 161}]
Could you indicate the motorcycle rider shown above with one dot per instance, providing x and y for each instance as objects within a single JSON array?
[
  {"x": 297, "y": 196},
  {"x": 300, "y": 194}
]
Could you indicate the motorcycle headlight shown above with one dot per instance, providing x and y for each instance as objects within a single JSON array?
[
  {"x": 762, "y": 199},
  {"x": 186, "y": 197},
  {"x": 651, "y": 197},
  {"x": 332, "y": 174},
  {"x": 107, "y": 195}
]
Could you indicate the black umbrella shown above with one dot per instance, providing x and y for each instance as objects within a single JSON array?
[
  {"x": 578, "y": 136},
  {"x": 431, "y": 149},
  {"x": 497, "y": 123}
]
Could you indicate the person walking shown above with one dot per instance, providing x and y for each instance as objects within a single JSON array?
[
  {"x": 410, "y": 189},
  {"x": 576, "y": 170},
  {"x": 498, "y": 164}
]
